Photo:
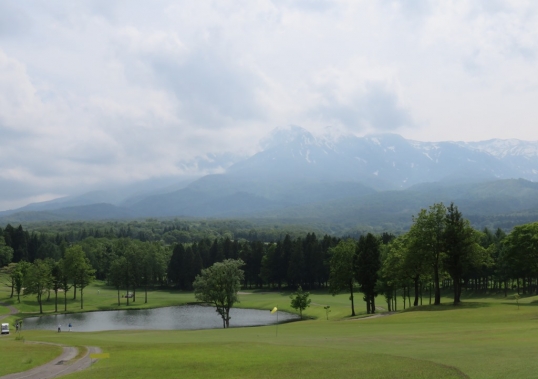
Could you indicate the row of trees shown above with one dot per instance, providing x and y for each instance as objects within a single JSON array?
[
  {"x": 45, "y": 276},
  {"x": 441, "y": 247},
  {"x": 303, "y": 261}
]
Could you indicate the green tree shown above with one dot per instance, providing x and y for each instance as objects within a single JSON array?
[
  {"x": 6, "y": 253},
  {"x": 342, "y": 274},
  {"x": 37, "y": 280},
  {"x": 427, "y": 241},
  {"x": 392, "y": 274},
  {"x": 116, "y": 274},
  {"x": 219, "y": 285},
  {"x": 7, "y": 272},
  {"x": 300, "y": 300},
  {"x": 521, "y": 253},
  {"x": 79, "y": 269},
  {"x": 296, "y": 264},
  {"x": 367, "y": 265},
  {"x": 65, "y": 276},
  {"x": 462, "y": 251},
  {"x": 18, "y": 276},
  {"x": 56, "y": 279}
]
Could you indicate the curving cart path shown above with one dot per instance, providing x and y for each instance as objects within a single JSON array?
[{"x": 59, "y": 366}]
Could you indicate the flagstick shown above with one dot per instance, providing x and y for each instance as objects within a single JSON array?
[{"x": 276, "y": 321}]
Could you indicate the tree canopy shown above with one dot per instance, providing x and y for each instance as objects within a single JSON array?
[{"x": 219, "y": 285}]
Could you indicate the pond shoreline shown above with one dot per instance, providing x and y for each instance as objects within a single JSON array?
[{"x": 180, "y": 317}]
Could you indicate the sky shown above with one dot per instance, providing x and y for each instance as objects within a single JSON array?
[{"x": 101, "y": 93}]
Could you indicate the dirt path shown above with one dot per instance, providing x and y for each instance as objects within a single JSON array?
[
  {"x": 12, "y": 310},
  {"x": 61, "y": 365},
  {"x": 377, "y": 315}
]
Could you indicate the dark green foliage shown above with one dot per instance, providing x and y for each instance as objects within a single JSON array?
[
  {"x": 461, "y": 249},
  {"x": 219, "y": 285},
  {"x": 6, "y": 253},
  {"x": 37, "y": 280},
  {"x": 367, "y": 265},
  {"x": 342, "y": 273},
  {"x": 300, "y": 300}
]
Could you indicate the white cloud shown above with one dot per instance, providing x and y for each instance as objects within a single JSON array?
[{"x": 95, "y": 92}]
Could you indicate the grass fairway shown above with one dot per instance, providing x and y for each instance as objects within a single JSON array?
[
  {"x": 487, "y": 337},
  {"x": 21, "y": 356}
]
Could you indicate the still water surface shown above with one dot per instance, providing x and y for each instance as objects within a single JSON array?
[{"x": 183, "y": 317}]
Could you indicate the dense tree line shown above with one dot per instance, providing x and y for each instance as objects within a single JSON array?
[
  {"x": 440, "y": 250},
  {"x": 174, "y": 231},
  {"x": 290, "y": 262}
]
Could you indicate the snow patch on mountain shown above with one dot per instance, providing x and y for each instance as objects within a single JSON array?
[{"x": 503, "y": 148}]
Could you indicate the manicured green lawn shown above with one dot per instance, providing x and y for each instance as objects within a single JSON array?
[
  {"x": 4, "y": 310},
  {"x": 487, "y": 337},
  {"x": 21, "y": 356}
]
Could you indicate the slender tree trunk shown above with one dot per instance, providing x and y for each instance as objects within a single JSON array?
[
  {"x": 436, "y": 284},
  {"x": 119, "y": 297},
  {"x": 65, "y": 300},
  {"x": 81, "y": 297},
  {"x": 456, "y": 291},
  {"x": 146, "y": 294},
  {"x": 12, "y": 288},
  {"x": 372, "y": 297},
  {"x": 56, "y": 301},
  {"x": 352, "y": 298},
  {"x": 416, "y": 291},
  {"x": 40, "y": 304},
  {"x": 74, "y": 291}
]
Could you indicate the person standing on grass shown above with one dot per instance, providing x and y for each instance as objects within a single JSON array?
[
  {"x": 59, "y": 328},
  {"x": 69, "y": 326}
]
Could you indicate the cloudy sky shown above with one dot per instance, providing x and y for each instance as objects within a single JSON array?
[{"x": 103, "y": 92}]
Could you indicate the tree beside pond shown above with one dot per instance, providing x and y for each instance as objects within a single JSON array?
[
  {"x": 219, "y": 285},
  {"x": 300, "y": 300},
  {"x": 37, "y": 280}
]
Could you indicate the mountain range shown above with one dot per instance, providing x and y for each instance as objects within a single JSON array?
[{"x": 373, "y": 181}]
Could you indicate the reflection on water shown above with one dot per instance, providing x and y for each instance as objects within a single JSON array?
[{"x": 180, "y": 317}]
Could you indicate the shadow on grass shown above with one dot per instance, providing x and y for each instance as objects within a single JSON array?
[{"x": 447, "y": 307}]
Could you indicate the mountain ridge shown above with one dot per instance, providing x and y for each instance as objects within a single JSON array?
[{"x": 296, "y": 172}]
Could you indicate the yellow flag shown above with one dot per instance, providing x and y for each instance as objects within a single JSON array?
[{"x": 274, "y": 310}]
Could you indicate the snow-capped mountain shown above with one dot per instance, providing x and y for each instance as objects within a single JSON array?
[
  {"x": 388, "y": 160},
  {"x": 337, "y": 177}
]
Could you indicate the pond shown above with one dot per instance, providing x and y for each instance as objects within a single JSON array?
[{"x": 185, "y": 317}]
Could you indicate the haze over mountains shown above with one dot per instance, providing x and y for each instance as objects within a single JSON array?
[{"x": 377, "y": 180}]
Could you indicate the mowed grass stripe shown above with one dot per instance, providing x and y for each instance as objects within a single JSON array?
[{"x": 251, "y": 360}]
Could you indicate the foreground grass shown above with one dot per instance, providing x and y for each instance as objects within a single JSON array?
[
  {"x": 487, "y": 337},
  {"x": 477, "y": 341},
  {"x": 18, "y": 355}
]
